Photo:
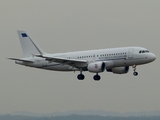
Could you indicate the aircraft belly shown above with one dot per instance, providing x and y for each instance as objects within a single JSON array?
[
  {"x": 59, "y": 68},
  {"x": 118, "y": 63},
  {"x": 128, "y": 62},
  {"x": 135, "y": 61}
]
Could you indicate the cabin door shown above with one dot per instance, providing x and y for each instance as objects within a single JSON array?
[{"x": 130, "y": 52}]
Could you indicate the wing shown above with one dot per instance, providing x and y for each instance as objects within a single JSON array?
[
  {"x": 23, "y": 60},
  {"x": 73, "y": 62}
]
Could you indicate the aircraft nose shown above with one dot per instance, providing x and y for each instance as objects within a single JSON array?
[{"x": 152, "y": 57}]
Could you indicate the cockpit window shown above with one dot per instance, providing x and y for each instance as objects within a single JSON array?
[{"x": 143, "y": 51}]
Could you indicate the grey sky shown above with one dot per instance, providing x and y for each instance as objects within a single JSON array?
[{"x": 72, "y": 25}]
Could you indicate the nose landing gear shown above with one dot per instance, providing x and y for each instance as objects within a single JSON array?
[
  {"x": 134, "y": 69},
  {"x": 135, "y": 73}
]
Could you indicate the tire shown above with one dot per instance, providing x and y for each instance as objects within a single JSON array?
[{"x": 135, "y": 73}]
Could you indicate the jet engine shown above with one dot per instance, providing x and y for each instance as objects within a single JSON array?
[
  {"x": 119, "y": 70},
  {"x": 96, "y": 67}
]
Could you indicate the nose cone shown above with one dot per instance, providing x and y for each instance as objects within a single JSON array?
[{"x": 152, "y": 57}]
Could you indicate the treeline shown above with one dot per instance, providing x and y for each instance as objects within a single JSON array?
[{"x": 77, "y": 117}]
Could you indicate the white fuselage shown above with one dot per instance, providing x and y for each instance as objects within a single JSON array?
[
  {"x": 115, "y": 60},
  {"x": 119, "y": 57}
]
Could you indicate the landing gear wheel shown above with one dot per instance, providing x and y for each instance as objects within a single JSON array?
[
  {"x": 80, "y": 77},
  {"x": 135, "y": 73},
  {"x": 96, "y": 77},
  {"x": 134, "y": 69}
]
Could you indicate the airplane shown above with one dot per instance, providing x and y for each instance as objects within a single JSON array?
[{"x": 115, "y": 60}]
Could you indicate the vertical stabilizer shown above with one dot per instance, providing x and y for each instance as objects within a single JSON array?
[{"x": 29, "y": 46}]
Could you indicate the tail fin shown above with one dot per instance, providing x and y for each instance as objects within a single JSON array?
[{"x": 29, "y": 46}]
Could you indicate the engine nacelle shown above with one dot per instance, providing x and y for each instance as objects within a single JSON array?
[
  {"x": 96, "y": 67},
  {"x": 119, "y": 70}
]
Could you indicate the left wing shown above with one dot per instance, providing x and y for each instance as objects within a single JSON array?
[
  {"x": 22, "y": 59},
  {"x": 73, "y": 62}
]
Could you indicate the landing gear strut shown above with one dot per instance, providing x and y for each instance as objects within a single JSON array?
[
  {"x": 97, "y": 77},
  {"x": 134, "y": 69}
]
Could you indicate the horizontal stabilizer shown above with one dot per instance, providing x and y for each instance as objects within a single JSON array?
[{"x": 21, "y": 59}]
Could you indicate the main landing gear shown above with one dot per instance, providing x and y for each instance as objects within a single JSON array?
[
  {"x": 80, "y": 76},
  {"x": 134, "y": 69},
  {"x": 95, "y": 77}
]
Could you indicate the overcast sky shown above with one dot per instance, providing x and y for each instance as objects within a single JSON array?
[{"x": 72, "y": 25}]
